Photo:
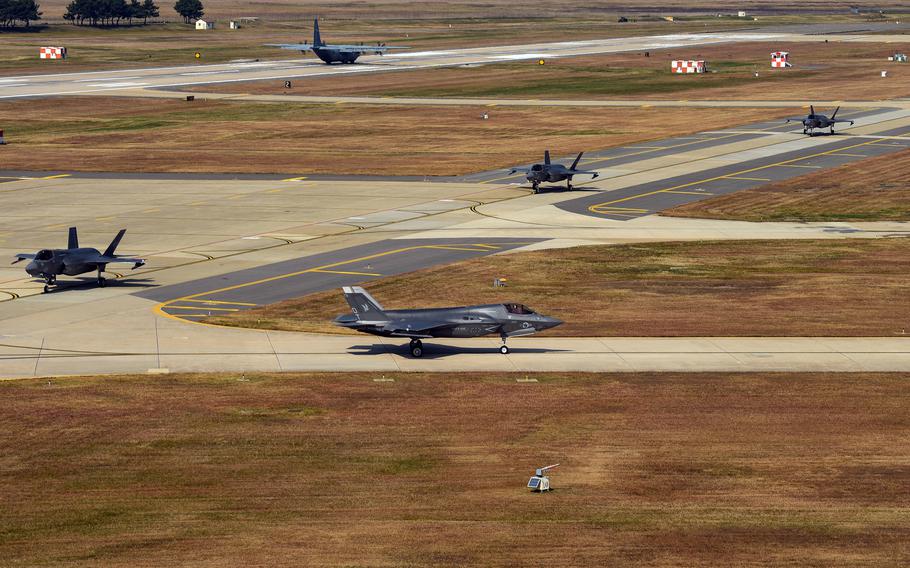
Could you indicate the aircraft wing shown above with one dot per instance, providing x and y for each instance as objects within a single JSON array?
[
  {"x": 361, "y": 48},
  {"x": 101, "y": 259},
  {"x": 23, "y": 256},
  {"x": 417, "y": 329},
  {"x": 584, "y": 173},
  {"x": 842, "y": 120},
  {"x": 294, "y": 46}
]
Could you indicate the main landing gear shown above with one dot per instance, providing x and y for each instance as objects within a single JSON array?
[
  {"x": 101, "y": 279},
  {"x": 504, "y": 349},
  {"x": 416, "y": 348},
  {"x": 536, "y": 187}
]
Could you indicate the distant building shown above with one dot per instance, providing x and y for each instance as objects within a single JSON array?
[
  {"x": 741, "y": 14},
  {"x": 203, "y": 25},
  {"x": 780, "y": 59}
]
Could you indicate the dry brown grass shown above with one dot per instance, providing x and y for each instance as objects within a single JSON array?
[
  {"x": 877, "y": 189},
  {"x": 744, "y": 288},
  {"x": 130, "y": 135},
  {"x": 848, "y": 69},
  {"x": 293, "y": 470}
]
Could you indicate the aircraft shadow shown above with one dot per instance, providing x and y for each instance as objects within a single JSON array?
[
  {"x": 438, "y": 351},
  {"x": 86, "y": 283},
  {"x": 562, "y": 189}
]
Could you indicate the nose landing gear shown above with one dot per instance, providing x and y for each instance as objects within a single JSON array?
[
  {"x": 49, "y": 280},
  {"x": 416, "y": 348}
]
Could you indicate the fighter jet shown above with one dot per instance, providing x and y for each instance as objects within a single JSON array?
[
  {"x": 73, "y": 260},
  {"x": 334, "y": 53},
  {"x": 813, "y": 121},
  {"x": 508, "y": 320},
  {"x": 547, "y": 172}
]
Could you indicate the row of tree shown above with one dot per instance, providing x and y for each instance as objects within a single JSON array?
[
  {"x": 13, "y": 12},
  {"x": 109, "y": 12}
]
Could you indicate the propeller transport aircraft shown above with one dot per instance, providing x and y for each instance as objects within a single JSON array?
[
  {"x": 813, "y": 121},
  {"x": 552, "y": 173},
  {"x": 508, "y": 320},
  {"x": 334, "y": 53},
  {"x": 73, "y": 260}
]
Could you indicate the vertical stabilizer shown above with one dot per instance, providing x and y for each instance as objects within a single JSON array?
[
  {"x": 812, "y": 110},
  {"x": 317, "y": 39},
  {"x": 109, "y": 251},
  {"x": 578, "y": 159},
  {"x": 546, "y": 157},
  {"x": 835, "y": 112},
  {"x": 364, "y": 306},
  {"x": 73, "y": 242}
]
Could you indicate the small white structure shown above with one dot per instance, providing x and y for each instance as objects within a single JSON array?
[
  {"x": 884, "y": 73},
  {"x": 688, "y": 66},
  {"x": 234, "y": 25},
  {"x": 203, "y": 25},
  {"x": 52, "y": 53},
  {"x": 780, "y": 59},
  {"x": 540, "y": 482},
  {"x": 898, "y": 58},
  {"x": 741, "y": 14}
]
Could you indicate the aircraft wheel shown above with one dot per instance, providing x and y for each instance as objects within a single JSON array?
[
  {"x": 416, "y": 351},
  {"x": 504, "y": 349},
  {"x": 46, "y": 289},
  {"x": 101, "y": 282}
]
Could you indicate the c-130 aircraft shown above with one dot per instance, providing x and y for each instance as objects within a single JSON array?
[
  {"x": 508, "y": 320},
  {"x": 73, "y": 260},
  {"x": 334, "y": 53}
]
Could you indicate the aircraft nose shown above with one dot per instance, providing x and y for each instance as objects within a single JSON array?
[
  {"x": 32, "y": 269},
  {"x": 548, "y": 322}
]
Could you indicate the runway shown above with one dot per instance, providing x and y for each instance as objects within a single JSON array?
[{"x": 131, "y": 80}]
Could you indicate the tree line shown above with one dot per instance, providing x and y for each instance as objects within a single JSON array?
[
  {"x": 13, "y": 12},
  {"x": 110, "y": 12}
]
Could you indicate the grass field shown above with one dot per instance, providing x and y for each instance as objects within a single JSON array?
[
  {"x": 877, "y": 189},
  {"x": 140, "y": 135},
  {"x": 731, "y": 288},
  {"x": 849, "y": 69},
  {"x": 339, "y": 470}
]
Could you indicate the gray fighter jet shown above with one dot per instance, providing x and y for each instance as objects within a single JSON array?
[
  {"x": 73, "y": 260},
  {"x": 508, "y": 320},
  {"x": 334, "y": 53},
  {"x": 813, "y": 121},
  {"x": 551, "y": 173}
]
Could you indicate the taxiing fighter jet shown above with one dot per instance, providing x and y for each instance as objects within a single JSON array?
[
  {"x": 813, "y": 121},
  {"x": 334, "y": 53},
  {"x": 548, "y": 172},
  {"x": 50, "y": 263},
  {"x": 508, "y": 320}
]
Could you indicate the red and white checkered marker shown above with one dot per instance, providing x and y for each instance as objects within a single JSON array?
[
  {"x": 687, "y": 66},
  {"x": 52, "y": 53},
  {"x": 780, "y": 59}
]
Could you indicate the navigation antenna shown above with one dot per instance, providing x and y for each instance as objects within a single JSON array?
[{"x": 540, "y": 482}]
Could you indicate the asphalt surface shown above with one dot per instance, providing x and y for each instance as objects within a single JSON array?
[
  {"x": 649, "y": 198},
  {"x": 90, "y": 82},
  {"x": 270, "y": 283}
]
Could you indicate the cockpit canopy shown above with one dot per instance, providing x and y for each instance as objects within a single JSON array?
[
  {"x": 518, "y": 309},
  {"x": 44, "y": 255},
  {"x": 537, "y": 167}
]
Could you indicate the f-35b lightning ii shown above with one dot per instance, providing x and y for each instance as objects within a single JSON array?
[
  {"x": 508, "y": 320},
  {"x": 71, "y": 261},
  {"x": 813, "y": 121},
  {"x": 551, "y": 173},
  {"x": 334, "y": 53}
]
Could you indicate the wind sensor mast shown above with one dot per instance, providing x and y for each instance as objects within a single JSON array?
[{"x": 540, "y": 482}]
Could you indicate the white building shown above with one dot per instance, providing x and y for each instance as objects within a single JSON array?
[{"x": 203, "y": 25}]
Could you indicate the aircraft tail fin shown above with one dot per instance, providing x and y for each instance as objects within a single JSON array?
[
  {"x": 578, "y": 159},
  {"x": 364, "y": 306},
  {"x": 546, "y": 157},
  {"x": 317, "y": 39},
  {"x": 109, "y": 251},
  {"x": 835, "y": 112},
  {"x": 811, "y": 109},
  {"x": 73, "y": 242}
]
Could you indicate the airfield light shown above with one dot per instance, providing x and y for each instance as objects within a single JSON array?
[
  {"x": 541, "y": 62},
  {"x": 198, "y": 55}
]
